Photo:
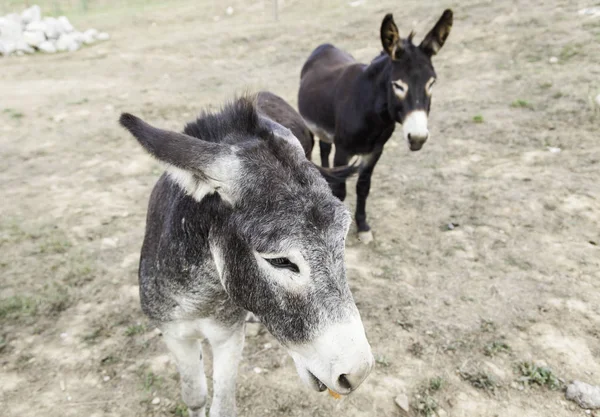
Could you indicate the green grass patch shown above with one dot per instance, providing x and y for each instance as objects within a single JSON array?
[
  {"x": 479, "y": 380},
  {"x": 543, "y": 376},
  {"x": 135, "y": 330},
  {"x": 521, "y": 104},
  {"x": 496, "y": 347},
  {"x": 18, "y": 306},
  {"x": 478, "y": 118},
  {"x": 425, "y": 403},
  {"x": 382, "y": 361}
]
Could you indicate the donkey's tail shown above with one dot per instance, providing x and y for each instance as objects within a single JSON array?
[{"x": 342, "y": 173}]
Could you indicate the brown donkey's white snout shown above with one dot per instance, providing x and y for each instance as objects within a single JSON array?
[{"x": 340, "y": 358}]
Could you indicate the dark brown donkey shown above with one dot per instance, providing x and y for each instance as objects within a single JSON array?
[{"x": 356, "y": 106}]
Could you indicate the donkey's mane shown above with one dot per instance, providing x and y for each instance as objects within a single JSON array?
[{"x": 238, "y": 118}]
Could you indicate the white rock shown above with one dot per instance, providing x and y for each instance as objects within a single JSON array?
[
  {"x": 156, "y": 401},
  {"x": 402, "y": 402},
  {"x": 34, "y": 38},
  {"x": 553, "y": 60},
  {"x": 552, "y": 149},
  {"x": 597, "y": 99},
  {"x": 10, "y": 31},
  {"x": 585, "y": 395},
  {"x": 15, "y": 17},
  {"x": 47, "y": 47},
  {"x": 591, "y": 11},
  {"x": 65, "y": 25},
  {"x": 53, "y": 28},
  {"x": 103, "y": 36},
  {"x": 66, "y": 42},
  {"x": 24, "y": 47},
  {"x": 91, "y": 32},
  {"x": 74, "y": 47},
  {"x": 32, "y": 14},
  {"x": 7, "y": 47},
  {"x": 89, "y": 36},
  {"x": 229, "y": 11},
  {"x": 109, "y": 242},
  {"x": 36, "y": 27},
  {"x": 106, "y": 378},
  {"x": 77, "y": 36}
]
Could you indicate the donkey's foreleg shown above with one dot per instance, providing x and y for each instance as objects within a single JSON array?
[
  {"x": 227, "y": 344},
  {"x": 188, "y": 354},
  {"x": 363, "y": 186}
]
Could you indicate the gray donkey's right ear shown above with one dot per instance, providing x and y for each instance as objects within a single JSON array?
[{"x": 200, "y": 167}]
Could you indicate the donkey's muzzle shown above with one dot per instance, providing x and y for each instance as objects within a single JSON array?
[
  {"x": 340, "y": 358},
  {"x": 415, "y": 129},
  {"x": 415, "y": 143}
]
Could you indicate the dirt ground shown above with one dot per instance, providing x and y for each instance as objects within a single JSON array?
[{"x": 451, "y": 314}]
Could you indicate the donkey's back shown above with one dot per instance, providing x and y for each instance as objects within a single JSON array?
[
  {"x": 278, "y": 110},
  {"x": 326, "y": 70}
]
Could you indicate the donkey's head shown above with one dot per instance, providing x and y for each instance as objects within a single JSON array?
[
  {"x": 410, "y": 76},
  {"x": 278, "y": 241}
]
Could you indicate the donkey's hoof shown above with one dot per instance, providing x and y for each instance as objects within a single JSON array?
[{"x": 365, "y": 237}]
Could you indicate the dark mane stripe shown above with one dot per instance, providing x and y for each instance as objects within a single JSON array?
[{"x": 238, "y": 117}]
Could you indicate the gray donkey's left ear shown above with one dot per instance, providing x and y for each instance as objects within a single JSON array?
[
  {"x": 437, "y": 36},
  {"x": 198, "y": 166}
]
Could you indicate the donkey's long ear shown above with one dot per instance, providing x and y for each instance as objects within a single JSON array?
[
  {"x": 390, "y": 37},
  {"x": 437, "y": 36},
  {"x": 200, "y": 167}
]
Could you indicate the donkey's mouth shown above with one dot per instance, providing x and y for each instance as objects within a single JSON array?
[{"x": 316, "y": 382}]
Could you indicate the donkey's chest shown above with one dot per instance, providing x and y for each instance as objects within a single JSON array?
[{"x": 365, "y": 140}]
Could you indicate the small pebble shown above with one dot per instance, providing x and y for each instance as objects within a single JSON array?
[
  {"x": 258, "y": 370},
  {"x": 229, "y": 11},
  {"x": 553, "y": 60},
  {"x": 402, "y": 402},
  {"x": 155, "y": 401},
  {"x": 106, "y": 378}
]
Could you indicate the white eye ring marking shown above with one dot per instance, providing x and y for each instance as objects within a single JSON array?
[
  {"x": 400, "y": 89},
  {"x": 289, "y": 278},
  {"x": 429, "y": 86}
]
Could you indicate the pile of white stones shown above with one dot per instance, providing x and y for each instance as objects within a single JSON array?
[{"x": 28, "y": 32}]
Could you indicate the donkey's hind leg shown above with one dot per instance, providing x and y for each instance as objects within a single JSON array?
[
  {"x": 340, "y": 158},
  {"x": 188, "y": 354},
  {"x": 325, "y": 149}
]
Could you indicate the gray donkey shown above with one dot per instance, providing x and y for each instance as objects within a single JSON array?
[{"x": 242, "y": 222}]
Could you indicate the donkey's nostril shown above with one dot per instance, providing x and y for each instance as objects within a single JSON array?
[
  {"x": 344, "y": 383},
  {"x": 410, "y": 136}
]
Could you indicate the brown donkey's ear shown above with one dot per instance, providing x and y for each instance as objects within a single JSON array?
[
  {"x": 437, "y": 36},
  {"x": 390, "y": 37}
]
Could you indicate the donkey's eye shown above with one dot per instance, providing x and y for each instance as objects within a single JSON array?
[
  {"x": 429, "y": 85},
  {"x": 283, "y": 263},
  {"x": 399, "y": 87}
]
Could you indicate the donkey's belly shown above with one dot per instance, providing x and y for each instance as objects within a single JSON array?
[{"x": 323, "y": 134}]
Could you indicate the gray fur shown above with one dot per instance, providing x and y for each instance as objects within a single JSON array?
[{"x": 278, "y": 201}]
